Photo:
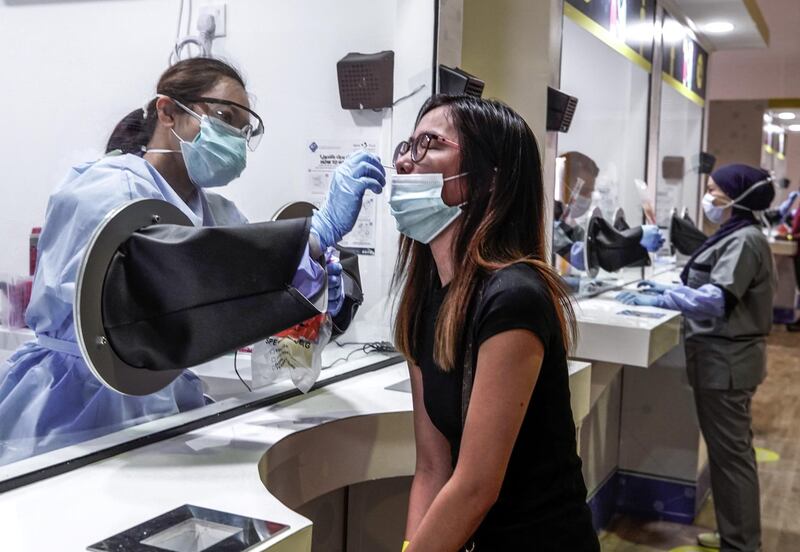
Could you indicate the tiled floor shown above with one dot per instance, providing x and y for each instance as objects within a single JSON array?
[{"x": 776, "y": 425}]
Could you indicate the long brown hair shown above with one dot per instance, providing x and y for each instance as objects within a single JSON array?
[{"x": 502, "y": 224}]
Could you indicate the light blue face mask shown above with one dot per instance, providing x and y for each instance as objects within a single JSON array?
[
  {"x": 216, "y": 156},
  {"x": 415, "y": 201}
]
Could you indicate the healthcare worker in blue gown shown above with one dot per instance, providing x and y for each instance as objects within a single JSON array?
[
  {"x": 726, "y": 298},
  {"x": 193, "y": 135}
]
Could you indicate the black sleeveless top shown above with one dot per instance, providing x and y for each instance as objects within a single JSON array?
[{"x": 542, "y": 502}]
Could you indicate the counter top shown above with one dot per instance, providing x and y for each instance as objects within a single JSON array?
[
  {"x": 610, "y": 331},
  {"x": 260, "y": 464},
  {"x": 216, "y": 467},
  {"x": 787, "y": 248}
]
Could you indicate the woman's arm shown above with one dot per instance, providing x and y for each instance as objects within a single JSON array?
[
  {"x": 508, "y": 367},
  {"x": 433, "y": 467},
  {"x": 703, "y": 303}
]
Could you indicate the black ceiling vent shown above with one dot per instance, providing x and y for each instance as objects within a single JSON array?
[
  {"x": 457, "y": 82},
  {"x": 707, "y": 162},
  {"x": 560, "y": 110}
]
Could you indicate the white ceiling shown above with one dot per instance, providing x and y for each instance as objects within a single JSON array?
[
  {"x": 746, "y": 33},
  {"x": 762, "y": 73}
]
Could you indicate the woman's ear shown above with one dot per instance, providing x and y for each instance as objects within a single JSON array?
[{"x": 165, "y": 108}]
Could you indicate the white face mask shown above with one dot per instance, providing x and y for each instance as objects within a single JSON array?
[
  {"x": 415, "y": 201},
  {"x": 579, "y": 205},
  {"x": 714, "y": 213}
]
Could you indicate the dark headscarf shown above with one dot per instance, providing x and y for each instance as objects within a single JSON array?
[{"x": 735, "y": 180}]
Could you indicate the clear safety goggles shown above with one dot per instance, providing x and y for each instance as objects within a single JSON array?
[{"x": 236, "y": 118}]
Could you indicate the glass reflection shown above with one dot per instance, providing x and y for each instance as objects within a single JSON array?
[{"x": 601, "y": 168}]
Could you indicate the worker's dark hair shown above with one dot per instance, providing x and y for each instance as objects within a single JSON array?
[{"x": 190, "y": 78}]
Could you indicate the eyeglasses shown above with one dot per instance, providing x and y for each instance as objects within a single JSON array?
[
  {"x": 419, "y": 146},
  {"x": 239, "y": 119}
]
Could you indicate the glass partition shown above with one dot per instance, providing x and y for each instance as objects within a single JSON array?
[
  {"x": 679, "y": 146},
  {"x": 82, "y": 75},
  {"x": 680, "y": 161},
  {"x": 601, "y": 160}
]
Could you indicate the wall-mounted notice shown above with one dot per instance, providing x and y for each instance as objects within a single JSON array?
[{"x": 323, "y": 158}]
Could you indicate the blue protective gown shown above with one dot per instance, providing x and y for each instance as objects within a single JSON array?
[{"x": 48, "y": 396}]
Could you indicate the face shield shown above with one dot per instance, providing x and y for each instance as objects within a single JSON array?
[{"x": 578, "y": 173}]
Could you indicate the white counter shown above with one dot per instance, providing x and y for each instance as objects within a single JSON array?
[
  {"x": 640, "y": 442},
  {"x": 259, "y": 464},
  {"x": 214, "y": 467},
  {"x": 609, "y": 331},
  {"x": 785, "y": 248},
  {"x": 785, "y": 302}
]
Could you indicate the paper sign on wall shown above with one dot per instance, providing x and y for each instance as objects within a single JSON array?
[
  {"x": 323, "y": 158},
  {"x": 668, "y": 197}
]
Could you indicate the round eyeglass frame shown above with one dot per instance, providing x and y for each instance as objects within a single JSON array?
[{"x": 424, "y": 140}]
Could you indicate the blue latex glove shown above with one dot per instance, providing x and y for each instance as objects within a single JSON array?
[
  {"x": 649, "y": 286},
  {"x": 335, "y": 288},
  {"x": 360, "y": 172},
  {"x": 652, "y": 239},
  {"x": 631, "y": 298},
  {"x": 576, "y": 255},
  {"x": 786, "y": 206}
]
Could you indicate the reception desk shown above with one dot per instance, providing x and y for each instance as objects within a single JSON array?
[
  {"x": 786, "y": 305},
  {"x": 335, "y": 463},
  {"x": 641, "y": 445}
]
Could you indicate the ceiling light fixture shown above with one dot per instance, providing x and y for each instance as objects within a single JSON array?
[
  {"x": 718, "y": 27},
  {"x": 673, "y": 32}
]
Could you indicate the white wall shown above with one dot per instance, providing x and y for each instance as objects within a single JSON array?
[
  {"x": 514, "y": 46},
  {"x": 70, "y": 70}
]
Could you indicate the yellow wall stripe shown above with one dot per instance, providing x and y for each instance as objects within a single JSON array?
[
  {"x": 758, "y": 19},
  {"x": 678, "y": 85},
  {"x": 606, "y": 37},
  {"x": 784, "y": 103}
]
